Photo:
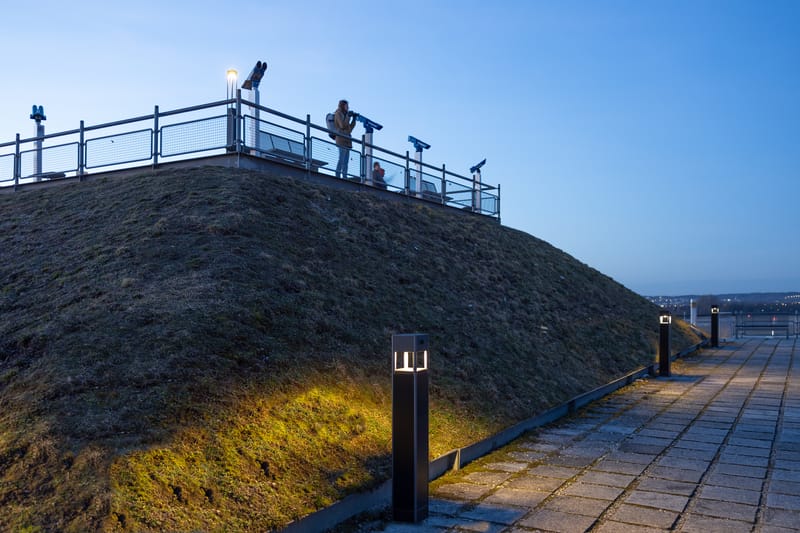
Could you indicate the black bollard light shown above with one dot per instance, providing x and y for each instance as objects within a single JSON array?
[
  {"x": 410, "y": 427},
  {"x": 664, "y": 321},
  {"x": 715, "y": 326}
]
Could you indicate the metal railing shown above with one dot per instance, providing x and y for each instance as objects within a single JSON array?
[{"x": 233, "y": 126}]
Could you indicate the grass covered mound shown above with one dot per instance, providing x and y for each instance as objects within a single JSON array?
[{"x": 208, "y": 349}]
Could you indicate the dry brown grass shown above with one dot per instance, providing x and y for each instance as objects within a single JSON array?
[{"x": 208, "y": 349}]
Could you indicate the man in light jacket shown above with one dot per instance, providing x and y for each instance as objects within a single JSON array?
[{"x": 343, "y": 141}]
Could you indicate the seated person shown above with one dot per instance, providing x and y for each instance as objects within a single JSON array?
[{"x": 377, "y": 175}]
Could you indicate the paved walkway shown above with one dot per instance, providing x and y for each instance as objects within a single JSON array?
[{"x": 714, "y": 448}]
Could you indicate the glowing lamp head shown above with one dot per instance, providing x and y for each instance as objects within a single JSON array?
[
  {"x": 232, "y": 75},
  {"x": 714, "y": 309},
  {"x": 664, "y": 317},
  {"x": 410, "y": 353}
]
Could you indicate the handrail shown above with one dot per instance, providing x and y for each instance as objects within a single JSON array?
[{"x": 202, "y": 135}]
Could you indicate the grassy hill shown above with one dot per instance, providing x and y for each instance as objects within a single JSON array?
[{"x": 209, "y": 349}]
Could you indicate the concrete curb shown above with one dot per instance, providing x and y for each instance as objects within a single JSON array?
[{"x": 455, "y": 459}]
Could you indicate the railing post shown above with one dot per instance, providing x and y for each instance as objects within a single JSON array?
[
  {"x": 155, "y": 138},
  {"x": 238, "y": 121},
  {"x": 498, "y": 202},
  {"x": 444, "y": 185},
  {"x": 407, "y": 185},
  {"x": 308, "y": 153},
  {"x": 81, "y": 153},
  {"x": 17, "y": 165}
]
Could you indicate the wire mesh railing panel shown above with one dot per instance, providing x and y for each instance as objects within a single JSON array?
[
  {"x": 119, "y": 149},
  {"x": 6, "y": 169},
  {"x": 327, "y": 153},
  {"x": 194, "y": 136},
  {"x": 55, "y": 160}
]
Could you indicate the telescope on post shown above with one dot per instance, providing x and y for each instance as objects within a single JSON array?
[
  {"x": 476, "y": 186},
  {"x": 37, "y": 115},
  {"x": 369, "y": 127},
  {"x": 251, "y": 84},
  {"x": 419, "y": 146}
]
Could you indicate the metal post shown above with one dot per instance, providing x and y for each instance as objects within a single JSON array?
[
  {"x": 82, "y": 152},
  {"x": 418, "y": 162},
  {"x": 444, "y": 184},
  {"x": 156, "y": 137},
  {"x": 410, "y": 427},
  {"x": 714, "y": 326},
  {"x": 476, "y": 190},
  {"x": 308, "y": 153},
  {"x": 366, "y": 147},
  {"x": 17, "y": 165},
  {"x": 37, "y": 115},
  {"x": 664, "y": 349},
  {"x": 407, "y": 185}
]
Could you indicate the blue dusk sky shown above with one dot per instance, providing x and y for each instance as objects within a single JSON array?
[{"x": 656, "y": 141}]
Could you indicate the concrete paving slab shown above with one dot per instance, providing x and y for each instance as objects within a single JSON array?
[
  {"x": 734, "y": 511},
  {"x": 619, "y": 467},
  {"x": 463, "y": 491},
  {"x": 747, "y": 450},
  {"x": 559, "y": 522},
  {"x": 644, "y": 516},
  {"x": 667, "y": 486},
  {"x": 676, "y": 474},
  {"x": 516, "y": 497},
  {"x": 784, "y": 464},
  {"x": 577, "y": 505},
  {"x": 671, "y": 461},
  {"x": 783, "y": 501},
  {"x": 739, "y": 482},
  {"x": 785, "y": 487},
  {"x": 745, "y": 460},
  {"x": 739, "y": 470},
  {"x": 487, "y": 478},
  {"x": 506, "y": 466},
  {"x": 627, "y": 457},
  {"x": 730, "y": 494},
  {"x": 657, "y": 500},
  {"x": 611, "y": 526},
  {"x": 530, "y": 482},
  {"x": 590, "y": 490},
  {"x": 527, "y": 457},
  {"x": 606, "y": 478},
  {"x": 494, "y": 514},
  {"x": 781, "y": 518},
  {"x": 559, "y": 472},
  {"x": 706, "y": 524},
  {"x": 784, "y": 475}
]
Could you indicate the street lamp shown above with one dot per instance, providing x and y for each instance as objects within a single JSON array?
[
  {"x": 409, "y": 427},
  {"x": 232, "y": 76},
  {"x": 233, "y": 138},
  {"x": 715, "y": 326},
  {"x": 664, "y": 321}
]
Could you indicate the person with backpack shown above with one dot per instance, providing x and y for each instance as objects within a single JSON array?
[{"x": 343, "y": 140}]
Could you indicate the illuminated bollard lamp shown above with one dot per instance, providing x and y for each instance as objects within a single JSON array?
[
  {"x": 665, "y": 322},
  {"x": 715, "y": 326},
  {"x": 409, "y": 427}
]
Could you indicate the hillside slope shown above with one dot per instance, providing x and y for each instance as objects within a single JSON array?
[{"x": 209, "y": 349}]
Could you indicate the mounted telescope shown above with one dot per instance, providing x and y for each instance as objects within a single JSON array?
[{"x": 369, "y": 127}]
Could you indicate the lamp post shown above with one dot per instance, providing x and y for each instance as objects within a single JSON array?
[
  {"x": 231, "y": 77},
  {"x": 664, "y": 321},
  {"x": 715, "y": 326},
  {"x": 410, "y": 427}
]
